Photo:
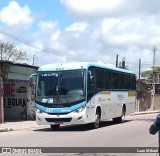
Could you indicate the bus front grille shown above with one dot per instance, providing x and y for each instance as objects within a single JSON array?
[{"x": 58, "y": 119}]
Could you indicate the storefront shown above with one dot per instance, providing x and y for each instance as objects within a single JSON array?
[{"x": 16, "y": 101}]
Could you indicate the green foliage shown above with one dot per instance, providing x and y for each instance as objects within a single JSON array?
[
  {"x": 10, "y": 53},
  {"x": 126, "y": 67},
  {"x": 148, "y": 74},
  {"x": 156, "y": 69}
]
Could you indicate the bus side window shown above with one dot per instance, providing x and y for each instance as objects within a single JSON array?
[
  {"x": 129, "y": 82},
  {"x": 121, "y": 81},
  {"x": 108, "y": 80},
  {"x": 126, "y": 82},
  {"x": 100, "y": 83},
  {"x": 115, "y": 80},
  {"x": 133, "y": 84}
]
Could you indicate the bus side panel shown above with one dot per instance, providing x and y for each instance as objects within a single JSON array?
[
  {"x": 91, "y": 109},
  {"x": 97, "y": 101},
  {"x": 112, "y": 103},
  {"x": 131, "y": 103}
]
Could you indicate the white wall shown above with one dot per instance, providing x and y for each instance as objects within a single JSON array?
[{"x": 15, "y": 99}]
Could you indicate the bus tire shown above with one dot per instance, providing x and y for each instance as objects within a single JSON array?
[
  {"x": 55, "y": 127},
  {"x": 123, "y": 114},
  {"x": 120, "y": 119},
  {"x": 96, "y": 123}
]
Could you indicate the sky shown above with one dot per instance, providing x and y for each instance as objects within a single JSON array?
[{"x": 54, "y": 31}]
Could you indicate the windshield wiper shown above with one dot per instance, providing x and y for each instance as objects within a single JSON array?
[{"x": 58, "y": 97}]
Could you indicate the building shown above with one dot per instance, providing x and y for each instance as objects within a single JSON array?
[
  {"x": 15, "y": 91},
  {"x": 144, "y": 96},
  {"x": 156, "y": 82},
  {"x": 148, "y": 94},
  {"x": 156, "y": 88}
]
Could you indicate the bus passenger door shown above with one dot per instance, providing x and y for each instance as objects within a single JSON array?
[
  {"x": 90, "y": 111},
  {"x": 108, "y": 105},
  {"x": 90, "y": 95}
]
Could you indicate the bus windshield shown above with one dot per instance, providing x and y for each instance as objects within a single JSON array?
[{"x": 60, "y": 87}]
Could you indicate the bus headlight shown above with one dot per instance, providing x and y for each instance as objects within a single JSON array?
[
  {"x": 80, "y": 109},
  {"x": 38, "y": 111}
]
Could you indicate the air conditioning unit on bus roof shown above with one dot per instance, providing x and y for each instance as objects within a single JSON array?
[{"x": 108, "y": 64}]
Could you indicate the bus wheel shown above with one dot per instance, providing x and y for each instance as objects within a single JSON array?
[
  {"x": 123, "y": 114},
  {"x": 55, "y": 127},
  {"x": 95, "y": 124},
  {"x": 121, "y": 118}
]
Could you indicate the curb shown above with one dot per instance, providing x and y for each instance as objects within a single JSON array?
[
  {"x": 3, "y": 129},
  {"x": 145, "y": 112},
  {"x": 6, "y": 129}
]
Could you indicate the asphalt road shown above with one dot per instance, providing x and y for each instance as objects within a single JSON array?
[{"x": 134, "y": 132}]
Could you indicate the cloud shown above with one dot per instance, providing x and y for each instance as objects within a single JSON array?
[
  {"x": 77, "y": 27},
  {"x": 47, "y": 33},
  {"x": 88, "y": 9},
  {"x": 132, "y": 38},
  {"x": 47, "y": 25},
  {"x": 127, "y": 28},
  {"x": 14, "y": 14},
  {"x": 102, "y": 30}
]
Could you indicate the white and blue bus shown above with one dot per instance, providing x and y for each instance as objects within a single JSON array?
[{"x": 83, "y": 93}]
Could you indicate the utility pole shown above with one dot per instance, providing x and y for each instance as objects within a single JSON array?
[
  {"x": 117, "y": 60},
  {"x": 153, "y": 79},
  {"x": 154, "y": 61},
  {"x": 139, "y": 72},
  {"x": 34, "y": 57},
  {"x": 154, "y": 55},
  {"x": 139, "y": 82},
  {"x": 123, "y": 63}
]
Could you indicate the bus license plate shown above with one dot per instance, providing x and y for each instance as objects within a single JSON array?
[{"x": 58, "y": 123}]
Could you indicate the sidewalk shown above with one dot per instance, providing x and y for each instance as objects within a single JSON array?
[
  {"x": 146, "y": 112},
  {"x": 19, "y": 125}
]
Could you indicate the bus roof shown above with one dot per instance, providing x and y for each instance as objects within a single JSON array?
[{"x": 80, "y": 65}]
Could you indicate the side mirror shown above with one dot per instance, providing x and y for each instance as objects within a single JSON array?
[
  {"x": 91, "y": 82},
  {"x": 33, "y": 80},
  {"x": 32, "y": 85},
  {"x": 90, "y": 76}
]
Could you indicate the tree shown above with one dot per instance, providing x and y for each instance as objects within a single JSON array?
[
  {"x": 10, "y": 53},
  {"x": 148, "y": 74}
]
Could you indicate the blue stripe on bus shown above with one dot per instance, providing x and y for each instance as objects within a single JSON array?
[{"x": 60, "y": 110}]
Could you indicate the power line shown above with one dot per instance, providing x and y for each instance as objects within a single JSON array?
[
  {"x": 45, "y": 49},
  {"x": 54, "y": 52}
]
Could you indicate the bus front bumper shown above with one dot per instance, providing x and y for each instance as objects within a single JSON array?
[{"x": 61, "y": 119}]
